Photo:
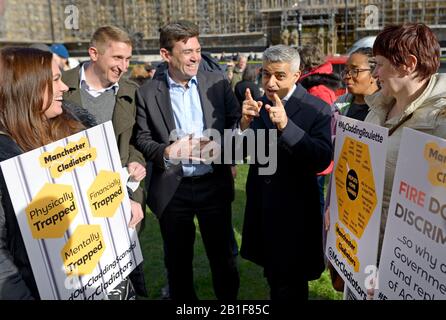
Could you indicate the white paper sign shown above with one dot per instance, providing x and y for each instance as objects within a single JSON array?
[
  {"x": 73, "y": 211},
  {"x": 356, "y": 200},
  {"x": 413, "y": 259}
]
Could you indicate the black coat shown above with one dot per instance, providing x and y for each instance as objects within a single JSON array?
[
  {"x": 16, "y": 276},
  {"x": 282, "y": 229}
]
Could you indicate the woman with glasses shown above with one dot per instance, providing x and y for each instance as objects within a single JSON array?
[{"x": 360, "y": 83}]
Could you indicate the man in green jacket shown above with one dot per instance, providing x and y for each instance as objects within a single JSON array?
[{"x": 98, "y": 87}]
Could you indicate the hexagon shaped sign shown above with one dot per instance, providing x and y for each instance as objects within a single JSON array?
[
  {"x": 67, "y": 158},
  {"x": 355, "y": 186},
  {"x": 51, "y": 211},
  {"x": 82, "y": 252},
  {"x": 105, "y": 194},
  {"x": 436, "y": 158}
]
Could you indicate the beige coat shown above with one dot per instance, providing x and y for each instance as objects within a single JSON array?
[{"x": 429, "y": 116}]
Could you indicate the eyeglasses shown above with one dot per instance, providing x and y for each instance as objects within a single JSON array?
[{"x": 352, "y": 72}]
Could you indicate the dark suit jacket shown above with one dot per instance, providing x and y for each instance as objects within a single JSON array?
[
  {"x": 282, "y": 229},
  {"x": 154, "y": 123}
]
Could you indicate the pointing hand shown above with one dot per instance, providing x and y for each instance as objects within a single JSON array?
[
  {"x": 277, "y": 114},
  {"x": 250, "y": 109}
]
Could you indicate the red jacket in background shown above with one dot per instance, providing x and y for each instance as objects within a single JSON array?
[{"x": 321, "y": 82}]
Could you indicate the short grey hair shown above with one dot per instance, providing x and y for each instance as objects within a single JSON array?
[{"x": 282, "y": 53}]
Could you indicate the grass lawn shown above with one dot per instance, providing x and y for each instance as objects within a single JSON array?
[{"x": 253, "y": 285}]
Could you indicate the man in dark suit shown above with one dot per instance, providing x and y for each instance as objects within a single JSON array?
[
  {"x": 188, "y": 101},
  {"x": 283, "y": 226}
]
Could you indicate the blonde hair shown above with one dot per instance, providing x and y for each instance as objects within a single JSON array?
[
  {"x": 103, "y": 35},
  {"x": 139, "y": 71},
  {"x": 139, "y": 74}
]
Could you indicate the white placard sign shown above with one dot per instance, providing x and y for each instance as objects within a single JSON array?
[
  {"x": 356, "y": 200},
  {"x": 73, "y": 211},
  {"x": 413, "y": 259}
]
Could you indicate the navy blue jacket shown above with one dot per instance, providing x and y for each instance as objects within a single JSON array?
[{"x": 282, "y": 229}]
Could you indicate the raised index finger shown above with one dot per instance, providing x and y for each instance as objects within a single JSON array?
[
  {"x": 248, "y": 94},
  {"x": 278, "y": 102}
]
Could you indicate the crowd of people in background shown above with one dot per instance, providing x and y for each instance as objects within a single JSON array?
[{"x": 395, "y": 84}]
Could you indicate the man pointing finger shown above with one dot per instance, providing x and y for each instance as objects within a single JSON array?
[
  {"x": 250, "y": 109},
  {"x": 277, "y": 113},
  {"x": 282, "y": 230}
]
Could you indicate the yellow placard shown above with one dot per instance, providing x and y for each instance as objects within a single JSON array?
[
  {"x": 105, "y": 194},
  {"x": 355, "y": 186},
  {"x": 66, "y": 159},
  {"x": 81, "y": 253},
  {"x": 51, "y": 211},
  {"x": 436, "y": 158},
  {"x": 347, "y": 246}
]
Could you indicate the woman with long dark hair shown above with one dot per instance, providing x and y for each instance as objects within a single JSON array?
[{"x": 31, "y": 115}]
